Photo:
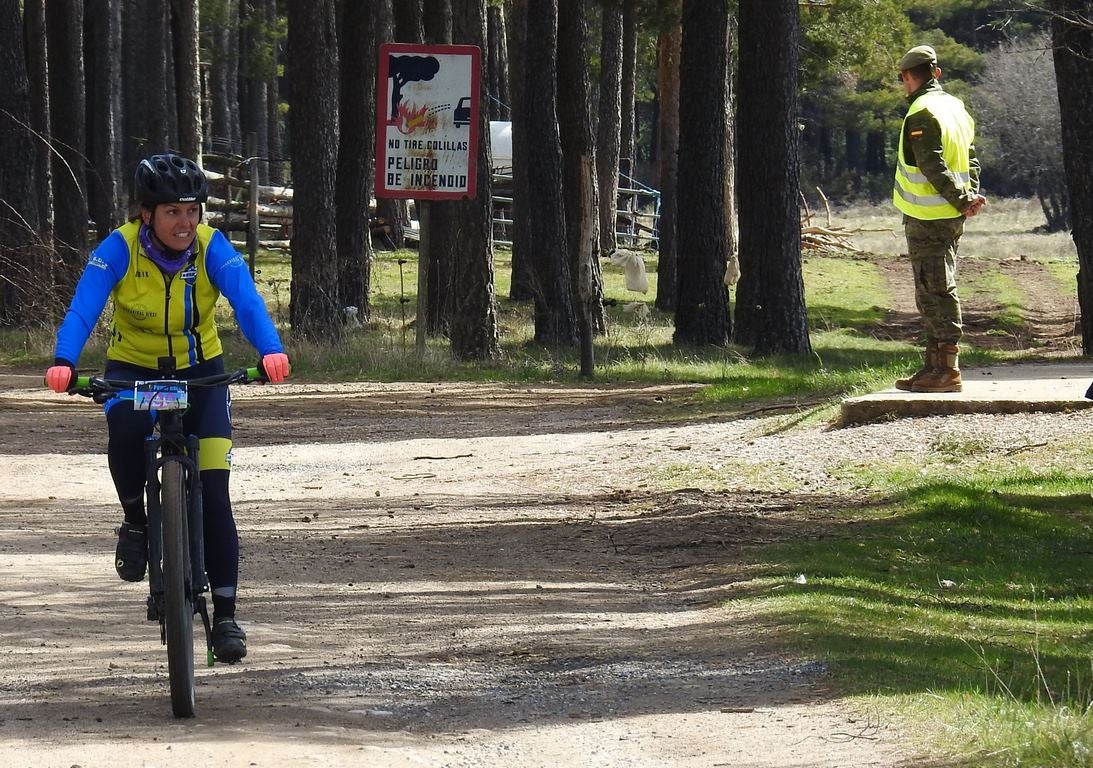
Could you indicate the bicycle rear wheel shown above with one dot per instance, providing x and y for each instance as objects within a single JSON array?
[{"x": 177, "y": 590}]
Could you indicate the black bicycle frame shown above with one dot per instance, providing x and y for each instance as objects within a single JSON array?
[{"x": 169, "y": 443}]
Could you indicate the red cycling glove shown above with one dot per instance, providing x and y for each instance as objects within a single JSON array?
[
  {"x": 276, "y": 367},
  {"x": 60, "y": 377}
]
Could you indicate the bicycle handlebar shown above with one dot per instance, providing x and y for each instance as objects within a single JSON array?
[{"x": 90, "y": 386}]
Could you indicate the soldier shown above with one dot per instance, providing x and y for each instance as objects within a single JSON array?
[{"x": 936, "y": 189}]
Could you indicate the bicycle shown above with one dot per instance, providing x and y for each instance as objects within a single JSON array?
[{"x": 177, "y": 582}]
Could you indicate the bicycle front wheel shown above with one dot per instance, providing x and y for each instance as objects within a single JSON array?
[{"x": 177, "y": 590}]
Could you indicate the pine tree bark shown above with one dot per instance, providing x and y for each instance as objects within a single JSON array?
[
  {"x": 442, "y": 237},
  {"x": 103, "y": 44},
  {"x": 437, "y": 21},
  {"x": 702, "y": 308},
  {"x": 64, "y": 24},
  {"x": 154, "y": 55},
  {"x": 273, "y": 103},
  {"x": 257, "y": 68},
  {"x": 24, "y": 268},
  {"x": 668, "y": 51},
  {"x": 629, "y": 87},
  {"x": 579, "y": 173},
  {"x": 235, "y": 125},
  {"x": 609, "y": 124},
  {"x": 315, "y": 307},
  {"x": 473, "y": 317},
  {"x": 498, "y": 27},
  {"x": 34, "y": 35},
  {"x": 407, "y": 27},
  {"x": 409, "y": 21},
  {"x": 185, "y": 25},
  {"x": 522, "y": 278},
  {"x": 1072, "y": 39},
  {"x": 555, "y": 320},
  {"x": 770, "y": 301},
  {"x": 357, "y": 139}
]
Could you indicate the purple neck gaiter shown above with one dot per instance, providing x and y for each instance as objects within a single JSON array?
[{"x": 167, "y": 260}]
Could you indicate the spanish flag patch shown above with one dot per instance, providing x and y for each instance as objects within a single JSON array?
[{"x": 917, "y": 133}]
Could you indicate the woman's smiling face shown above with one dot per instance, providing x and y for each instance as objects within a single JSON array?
[{"x": 174, "y": 224}]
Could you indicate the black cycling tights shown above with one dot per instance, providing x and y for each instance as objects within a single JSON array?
[{"x": 127, "y": 429}]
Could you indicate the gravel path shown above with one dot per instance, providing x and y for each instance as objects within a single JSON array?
[{"x": 450, "y": 575}]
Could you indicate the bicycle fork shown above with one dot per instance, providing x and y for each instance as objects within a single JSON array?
[{"x": 199, "y": 583}]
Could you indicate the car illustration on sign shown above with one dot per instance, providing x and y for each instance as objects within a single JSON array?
[{"x": 463, "y": 112}]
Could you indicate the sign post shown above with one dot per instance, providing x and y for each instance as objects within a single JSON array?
[{"x": 427, "y": 137}]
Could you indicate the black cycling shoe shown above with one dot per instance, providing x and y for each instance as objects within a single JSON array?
[
  {"x": 229, "y": 641},
  {"x": 131, "y": 556}
]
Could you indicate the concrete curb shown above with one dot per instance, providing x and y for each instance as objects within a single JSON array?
[{"x": 1017, "y": 388}]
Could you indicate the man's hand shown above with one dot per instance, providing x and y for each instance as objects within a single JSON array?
[
  {"x": 60, "y": 377},
  {"x": 976, "y": 206},
  {"x": 276, "y": 367}
]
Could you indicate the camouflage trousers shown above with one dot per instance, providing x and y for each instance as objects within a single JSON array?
[{"x": 932, "y": 248}]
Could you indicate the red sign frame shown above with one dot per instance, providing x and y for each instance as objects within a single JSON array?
[{"x": 385, "y": 159}]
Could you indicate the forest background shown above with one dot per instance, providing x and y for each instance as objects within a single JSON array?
[{"x": 738, "y": 113}]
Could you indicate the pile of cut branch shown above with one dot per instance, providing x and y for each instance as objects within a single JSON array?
[{"x": 829, "y": 239}]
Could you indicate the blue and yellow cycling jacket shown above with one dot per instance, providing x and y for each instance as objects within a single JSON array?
[{"x": 158, "y": 315}]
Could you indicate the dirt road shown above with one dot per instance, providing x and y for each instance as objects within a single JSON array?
[{"x": 449, "y": 575}]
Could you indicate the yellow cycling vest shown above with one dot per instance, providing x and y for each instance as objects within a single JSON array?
[
  {"x": 914, "y": 195},
  {"x": 158, "y": 315}
]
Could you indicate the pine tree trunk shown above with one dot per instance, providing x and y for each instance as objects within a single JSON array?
[
  {"x": 473, "y": 316},
  {"x": 770, "y": 301},
  {"x": 609, "y": 124},
  {"x": 668, "y": 50},
  {"x": 522, "y": 281},
  {"x": 437, "y": 21},
  {"x": 315, "y": 307},
  {"x": 499, "y": 36},
  {"x": 185, "y": 28},
  {"x": 34, "y": 34},
  {"x": 103, "y": 43},
  {"x": 1073, "y": 53},
  {"x": 442, "y": 245},
  {"x": 555, "y": 321},
  {"x": 357, "y": 62},
  {"x": 409, "y": 21},
  {"x": 259, "y": 66},
  {"x": 24, "y": 266},
  {"x": 235, "y": 126},
  {"x": 64, "y": 24},
  {"x": 702, "y": 310},
  {"x": 629, "y": 79},
  {"x": 221, "y": 42},
  {"x": 153, "y": 63},
  {"x": 579, "y": 170},
  {"x": 274, "y": 142}
]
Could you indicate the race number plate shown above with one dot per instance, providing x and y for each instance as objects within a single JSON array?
[{"x": 165, "y": 395}]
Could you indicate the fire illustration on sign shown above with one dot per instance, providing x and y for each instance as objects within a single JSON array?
[{"x": 411, "y": 118}]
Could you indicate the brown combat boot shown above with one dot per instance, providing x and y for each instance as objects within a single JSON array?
[
  {"x": 928, "y": 365},
  {"x": 946, "y": 377}
]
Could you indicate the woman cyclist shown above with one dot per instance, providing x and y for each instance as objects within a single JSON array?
[{"x": 164, "y": 271}]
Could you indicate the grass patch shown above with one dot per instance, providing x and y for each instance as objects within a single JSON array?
[
  {"x": 844, "y": 293},
  {"x": 960, "y": 598},
  {"x": 1002, "y": 291}
]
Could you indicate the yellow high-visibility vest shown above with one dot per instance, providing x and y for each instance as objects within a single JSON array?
[{"x": 913, "y": 194}]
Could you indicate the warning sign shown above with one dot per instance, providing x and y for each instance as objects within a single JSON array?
[{"x": 427, "y": 137}]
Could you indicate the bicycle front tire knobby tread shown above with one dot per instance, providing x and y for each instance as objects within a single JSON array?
[{"x": 177, "y": 591}]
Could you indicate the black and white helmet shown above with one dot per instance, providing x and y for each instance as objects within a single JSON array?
[{"x": 169, "y": 179}]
